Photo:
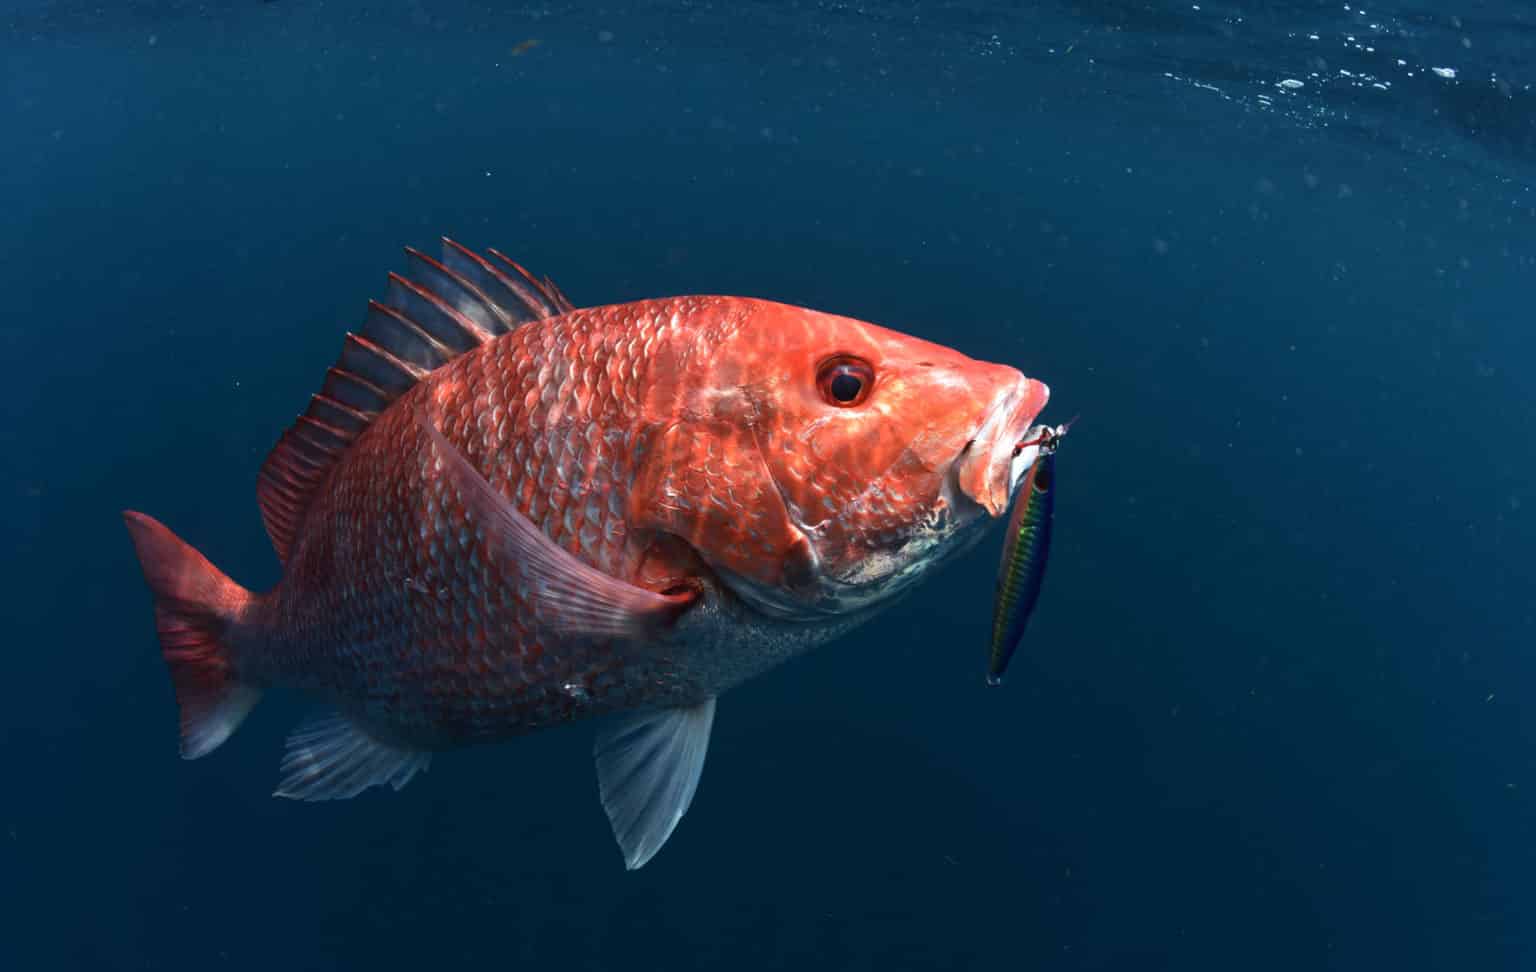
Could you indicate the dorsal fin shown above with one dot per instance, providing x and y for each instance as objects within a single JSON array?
[{"x": 440, "y": 311}]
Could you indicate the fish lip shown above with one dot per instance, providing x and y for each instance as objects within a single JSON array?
[{"x": 985, "y": 470}]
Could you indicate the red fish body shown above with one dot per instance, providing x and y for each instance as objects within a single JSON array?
[{"x": 502, "y": 513}]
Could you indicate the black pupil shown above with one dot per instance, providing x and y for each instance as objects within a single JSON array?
[
  {"x": 846, "y": 386},
  {"x": 1043, "y": 477}
]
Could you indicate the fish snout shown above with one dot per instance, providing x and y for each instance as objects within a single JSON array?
[{"x": 984, "y": 468}]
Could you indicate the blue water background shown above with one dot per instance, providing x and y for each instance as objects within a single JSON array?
[{"x": 1276, "y": 708}]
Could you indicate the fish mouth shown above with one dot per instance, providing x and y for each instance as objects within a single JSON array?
[
  {"x": 981, "y": 478},
  {"x": 988, "y": 469}
]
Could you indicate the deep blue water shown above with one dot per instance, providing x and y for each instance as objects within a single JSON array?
[{"x": 1275, "y": 710}]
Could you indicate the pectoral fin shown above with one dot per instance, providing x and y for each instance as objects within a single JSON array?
[
  {"x": 648, "y": 768},
  {"x": 573, "y": 598}
]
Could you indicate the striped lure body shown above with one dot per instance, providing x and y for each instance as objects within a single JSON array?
[{"x": 1026, "y": 548}]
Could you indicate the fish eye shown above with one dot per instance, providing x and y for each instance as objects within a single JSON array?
[
  {"x": 1043, "y": 478},
  {"x": 845, "y": 382}
]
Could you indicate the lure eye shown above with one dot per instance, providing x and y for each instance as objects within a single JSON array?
[{"x": 845, "y": 382}]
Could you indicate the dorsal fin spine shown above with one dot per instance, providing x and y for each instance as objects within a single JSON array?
[
  {"x": 319, "y": 432},
  {"x": 562, "y": 303},
  {"x": 471, "y": 334},
  {"x": 529, "y": 289},
  {"x": 385, "y": 370},
  {"x": 339, "y": 413},
  {"x": 389, "y": 327},
  {"x": 343, "y": 407},
  {"x": 300, "y": 457},
  {"x": 413, "y": 331},
  {"x": 515, "y": 301},
  {"x": 339, "y": 382},
  {"x": 474, "y": 303}
]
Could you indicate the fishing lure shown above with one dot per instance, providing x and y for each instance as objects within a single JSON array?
[{"x": 1026, "y": 546}]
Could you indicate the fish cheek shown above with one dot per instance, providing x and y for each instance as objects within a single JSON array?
[{"x": 705, "y": 482}]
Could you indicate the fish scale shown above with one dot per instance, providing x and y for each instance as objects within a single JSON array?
[
  {"x": 348, "y": 614},
  {"x": 502, "y": 513}
]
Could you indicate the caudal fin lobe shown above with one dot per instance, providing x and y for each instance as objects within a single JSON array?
[{"x": 195, "y": 608}]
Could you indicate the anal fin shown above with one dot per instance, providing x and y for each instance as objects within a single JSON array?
[
  {"x": 648, "y": 768},
  {"x": 332, "y": 758}
]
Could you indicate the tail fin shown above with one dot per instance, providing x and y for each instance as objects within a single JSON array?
[{"x": 195, "y": 606}]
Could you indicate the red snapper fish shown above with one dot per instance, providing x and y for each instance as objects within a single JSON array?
[{"x": 503, "y": 513}]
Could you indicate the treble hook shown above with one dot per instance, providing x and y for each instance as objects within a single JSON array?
[{"x": 1049, "y": 438}]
